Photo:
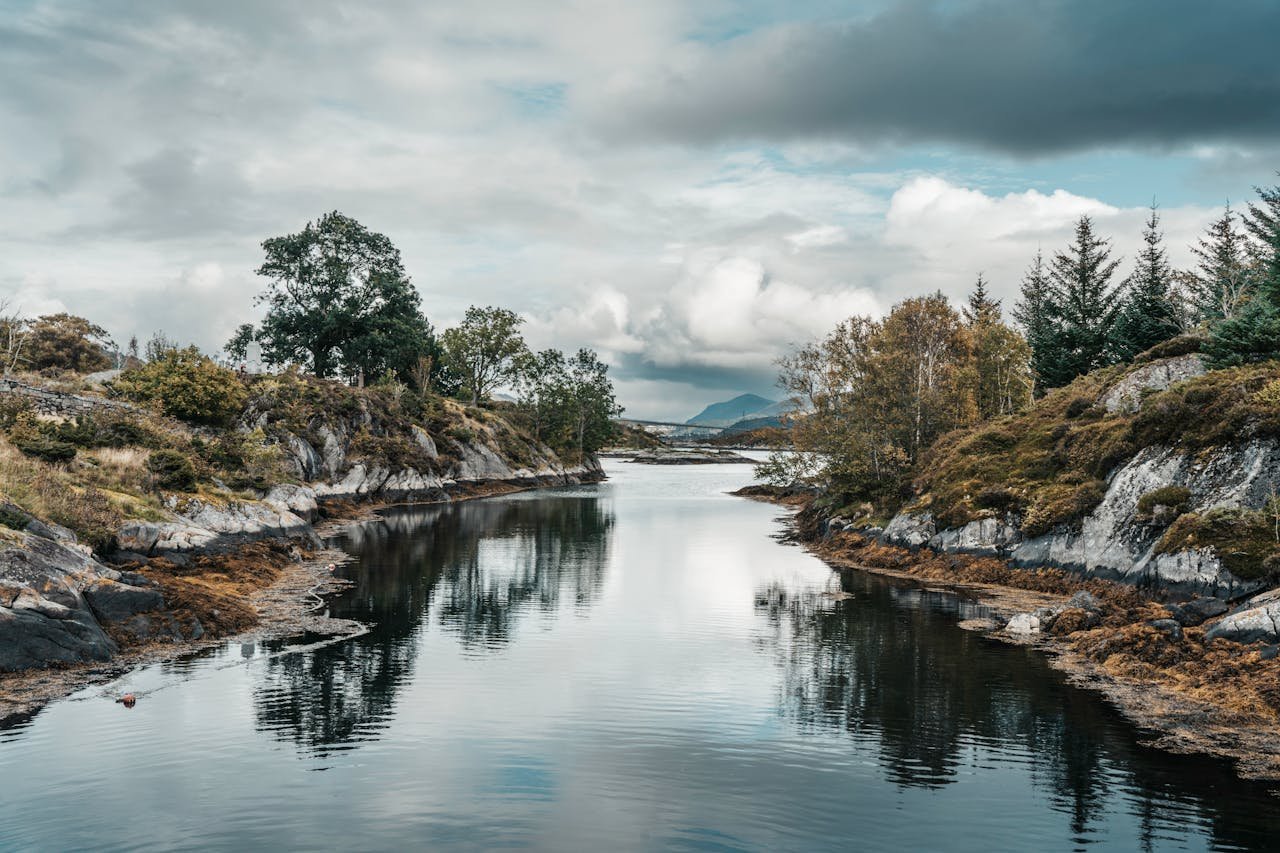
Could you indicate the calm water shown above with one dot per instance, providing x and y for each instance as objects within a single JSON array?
[{"x": 631, "y": 666}]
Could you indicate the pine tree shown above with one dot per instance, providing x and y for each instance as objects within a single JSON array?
[
  {"x": 1222, "y": 281},
  {"x": 1001, "y": 369},
  {"x": 1086, "y": 307},
  {"x": 1253, "y": 334},
  {"x": 1263, "y": 225},
  {"x": 981, "y": 310},
  {"x": 1036, "y": 313},
  {"x": 1147, "y": 314}
]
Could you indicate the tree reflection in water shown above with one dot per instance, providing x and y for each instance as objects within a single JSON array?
[
  {"x": 483, "y": 564},
  {"x": 890, "y": 667}
]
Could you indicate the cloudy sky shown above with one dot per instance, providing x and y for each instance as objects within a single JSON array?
[{"x": 688, "y": 187}]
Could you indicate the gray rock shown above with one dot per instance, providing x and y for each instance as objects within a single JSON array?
[
  {"x": 1126, "y": 395},
  {"x": 1024, "y": 623},
  {"x": 1247, "y": 626},
  {"x": 1198, "y": 610},
  {"x": 1085, "y": 600},
  {"x": 910, "y": 529},
  {"x": 1169, "y": 627},
  {"x": 113, "y": 601}
]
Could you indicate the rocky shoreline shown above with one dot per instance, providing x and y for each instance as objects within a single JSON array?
[
  {"x": 1159, "y": 663},
  {"x": 289, "y": 605}
]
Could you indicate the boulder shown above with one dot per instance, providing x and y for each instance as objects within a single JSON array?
[
  {"x": 1261, "y": 622},
  {"x": 1169, "y": 627},
  {"x": 1024, "y": 623},
  {"x": 1198, "y": 610},
  {"x": 113, "y": 601}
]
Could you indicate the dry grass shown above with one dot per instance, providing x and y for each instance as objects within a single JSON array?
[
  {"x": 1232, "y": 678},
  {"x": 216, "y": 588}
]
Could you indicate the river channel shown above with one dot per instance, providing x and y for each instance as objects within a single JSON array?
[{"x": 634, "y": 665}]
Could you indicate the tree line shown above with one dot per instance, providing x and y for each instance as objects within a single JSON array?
[
  {"x": 339, "y": 303},
  {"x": 876, "y": 393}
]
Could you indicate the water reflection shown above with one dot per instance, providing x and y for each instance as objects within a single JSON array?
[
  {"x": 475, "y": 568},
  {"x": 888, "y": 667}
]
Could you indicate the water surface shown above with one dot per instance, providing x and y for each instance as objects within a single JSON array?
[{"x": 637, "y": 665}]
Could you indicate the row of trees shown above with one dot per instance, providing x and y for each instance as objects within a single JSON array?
[
  {"x": 53, "y": 342},
  {"x": 1077, "y": 318},
  {"x": 340, "y": 304},
  {"x": 878, "y": 392}
]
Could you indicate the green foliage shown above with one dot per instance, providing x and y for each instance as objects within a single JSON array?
[
  {"x": 1175, "y": 498},
  {"x": 1062, "y": 505},
  {"x": 1083, "y": 306},
  {"x": 1251, "y": 336},
  {"x": 1147, "y": 314},
  {"x": 1244, "y": 540},
  {"x": 66, "y": 342},
  {"x": 339, "y": 302},
  {"x": 172, "y": 470},
  {"x": 1172, "y": 348},
  {"x": 484, "y": 350},
  {"x": 40, "y": 440},
  {"x": 187, "y": 385}
]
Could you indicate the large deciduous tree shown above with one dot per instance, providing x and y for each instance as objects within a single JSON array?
[
  {"x": 67, "y": 342},
  {"x": 483, "y": 351},
  {"x": 339, "y": 302}
]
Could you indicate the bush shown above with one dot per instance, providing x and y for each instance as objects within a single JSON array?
[
  {"x": 172, "y": 470},
  {"x": 996, "y": 498},
  {"x": 1175, "y": 498},
  {"x": 1078, "y": 406},
  {"x": 1244, "y": 540},
  {"x": 1062, "y": 505},
  {"x": 186, "y": 385},
  {"x": 1181, "y": 345},
  {"x": 40, "y": 440}
]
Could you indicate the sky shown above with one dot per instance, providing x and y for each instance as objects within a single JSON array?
[{"x": 690, "y": 188}]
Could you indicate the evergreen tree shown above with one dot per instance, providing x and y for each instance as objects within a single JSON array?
[
  {"x": 1037, "y": 315},
  {"x": 1263, "y": 225},
  {"x": 1001, "y": 358},
  {"x": 1086, "y": 306},
  {"x": 1147, "y": 314},
  {"x": 1253, "y": 334},
  {"x": 981, "y": 309},
  {"x": 1221, "y": 281}
]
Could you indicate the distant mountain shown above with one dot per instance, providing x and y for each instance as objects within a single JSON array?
[{"x": 731, "y": 411}]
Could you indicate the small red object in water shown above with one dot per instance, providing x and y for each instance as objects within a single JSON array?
[{"x": 128, "y": 700}]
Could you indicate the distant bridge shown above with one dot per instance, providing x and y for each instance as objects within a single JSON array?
[{"x": 669, "y": 429}]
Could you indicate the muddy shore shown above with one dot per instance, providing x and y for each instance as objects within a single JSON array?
[
  {"x": 1191, "y": 696},
  {"x": 287, "y": 600}
]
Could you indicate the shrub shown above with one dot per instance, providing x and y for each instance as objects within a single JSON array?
[
  {"x": 1244, "y": 540},
  {"x": 1181, "y": 345},
  {"x": 1062, "y": 504},
  {"x": 186, "y": 385},
  {"x": 1078, "y": 406},
  {"x": 996, "y": 498},
  {"x": 172, "y": 470},
  {"x": 1175, "y": 498},
  {"x": 41, "y": 441}
]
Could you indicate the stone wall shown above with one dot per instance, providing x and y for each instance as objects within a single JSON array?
[{"x": 49, "y": 402}]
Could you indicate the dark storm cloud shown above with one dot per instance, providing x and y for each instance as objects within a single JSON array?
[{"x": 1023, "y": 76}]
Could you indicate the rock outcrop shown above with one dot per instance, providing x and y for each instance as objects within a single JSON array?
[{"x": 57, "y": 602}]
